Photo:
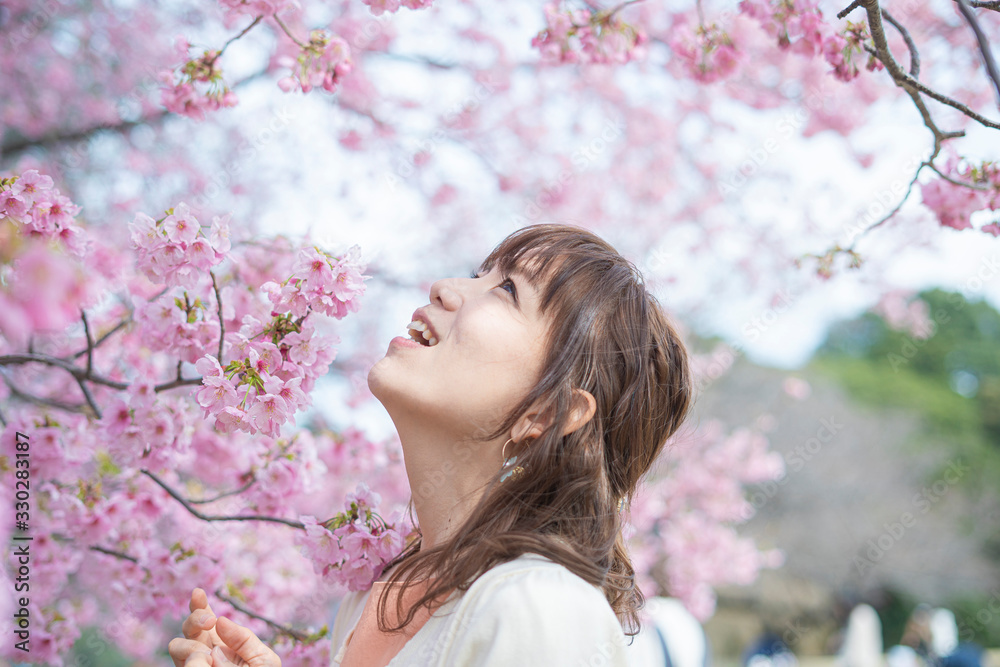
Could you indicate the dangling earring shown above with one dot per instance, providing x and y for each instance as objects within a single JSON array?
[{"x": 514, "y": 472}]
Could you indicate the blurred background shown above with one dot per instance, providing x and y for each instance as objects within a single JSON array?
[{"x": 878, "y": 386}]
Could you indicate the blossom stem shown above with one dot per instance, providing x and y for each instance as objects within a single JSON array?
[
  {"x": 222, "y": 324},
  {"x": 233, "y": 39},
  {"x": 288, "y": 32}
]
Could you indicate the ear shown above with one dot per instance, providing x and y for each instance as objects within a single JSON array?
[{"x": 535, "y": 421}]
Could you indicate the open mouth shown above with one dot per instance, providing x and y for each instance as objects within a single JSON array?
[{"x": 420, "y": 332}]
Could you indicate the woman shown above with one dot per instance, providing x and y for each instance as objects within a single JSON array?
[{"x": 541, "y": 390}]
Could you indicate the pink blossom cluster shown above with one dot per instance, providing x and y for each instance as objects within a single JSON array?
[
  {"x": 41, "y": 211},
  {"x": 954, "y": 204},
  {"x": 43, "y": 277},
  {"x": 799, "y": 26},
  {"x": 902, "y": 312},
  {"x": 175, "y": 250},
  {"x": 196, "y": 87},
  {"x": 322, "y": 283},
  {"x": 323, "y": 62},
  {"x": 379, "y": 7},
  {"x": 588, "y": 36},
  {"x": 708, "y": 54},
  {"x": 352, "y": 548},
  {"x": 682, "y": 521}
]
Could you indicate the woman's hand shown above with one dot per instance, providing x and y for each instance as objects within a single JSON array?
[
  {"x": 242, "y": 649},
  {"x": 199, "y": 631},
  {"x": 217, "y": 642}
]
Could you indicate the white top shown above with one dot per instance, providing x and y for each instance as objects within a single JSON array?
[{"x": 530, "y": 612}]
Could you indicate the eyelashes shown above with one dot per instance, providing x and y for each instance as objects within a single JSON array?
[{"x": 506, "y": 282}]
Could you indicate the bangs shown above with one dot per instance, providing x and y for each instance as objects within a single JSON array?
[{"x": 549, "y": 257}]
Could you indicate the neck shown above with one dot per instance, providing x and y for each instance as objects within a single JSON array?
[{"x": 448, "y": 474}]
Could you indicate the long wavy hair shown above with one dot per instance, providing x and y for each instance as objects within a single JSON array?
[{"x": 609, "y": 336}]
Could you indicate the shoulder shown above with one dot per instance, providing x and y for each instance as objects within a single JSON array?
[{"x": 533, "y": 611}]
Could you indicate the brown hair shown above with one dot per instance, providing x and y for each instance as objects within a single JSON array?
[{"x": 609, "y": 336}]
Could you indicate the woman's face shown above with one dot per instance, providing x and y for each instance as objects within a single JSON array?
[{"x": 486, "y": 348}]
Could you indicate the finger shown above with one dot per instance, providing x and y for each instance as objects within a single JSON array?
[
  {"x": 181, "y": 650},
  {"x": 197, "y": 622},
  {"x": 199, "y": 600},
  {"x": 245, "y": 643}
]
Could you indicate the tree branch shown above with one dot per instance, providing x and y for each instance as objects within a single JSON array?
[
  {"x": 890, "y": 214},
  {"x": 294, "y": 634},
  {"x": 90, "y": 341},
  {"x": 234, "y": 492},
  {"x": 39, "y": 400},
  {"x": 984, "y": 45},
  {"x": 207, "y": 517},
  {"x": 116, "y": 554},
  {"x": 910, "y": 44}
]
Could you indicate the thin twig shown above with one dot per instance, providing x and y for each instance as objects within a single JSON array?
[
  {"x": 295, "y": 634},
  {"x": 234, "y": 492},
  {"x": 211, "y": 517},
  {"x": 289, "y": 32},
  {"x": 222, "y": 324},
  {"x": 90, "y": 398},
  {"x": 984, "y": 45},
  {"x": 116, "y": 554},
  {"x": 910, "y": 44},
  {"x": 39, "y": 400},
  {"x": 90, "y": 341},
  {"x": 848, "y": 9},
  {"x": 985, "y": 4},
  {"x": 890, "y": 214},
  {"x": 100, "y": 340},
  {"x": 973, "y": 186},
  {"x": 234, "y": 38}
]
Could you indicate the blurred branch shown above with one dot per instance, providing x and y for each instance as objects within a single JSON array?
[
  {"x": 295, "y": 634},
  {"x": 55, "y": 138},
  {"x": 234, "y": 492},
  {"x": 984, "y": 45},
  {"x": 914, "y": 55},
  {"x": 215, "y": 517},
  {"x": 222, "y": 324}
]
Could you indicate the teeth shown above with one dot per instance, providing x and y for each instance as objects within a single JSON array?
[{"x": 420, "y": 332}]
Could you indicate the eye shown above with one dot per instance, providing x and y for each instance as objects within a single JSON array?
[{"x": 507, "y": 282}]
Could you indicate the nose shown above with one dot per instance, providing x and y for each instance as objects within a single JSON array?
[{"x": 446, "y": 294}]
